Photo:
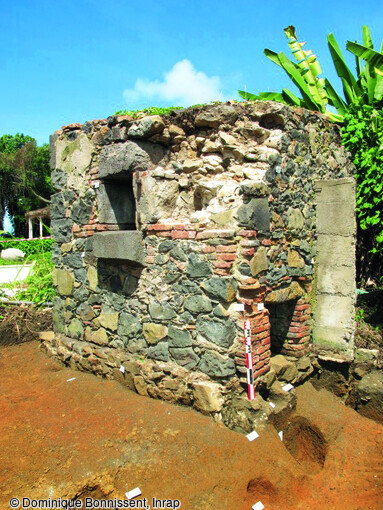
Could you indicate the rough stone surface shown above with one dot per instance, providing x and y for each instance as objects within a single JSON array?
[
  {"x": 64, "y": 281},
  {"x": 370, "y": 396},
  {"x": 153, "y": 332},
  {"x": 220, "y": 288},
  {"x": 255, "y": 214},
  {"x": 214, "y": 364},
  {"x": 217, "y": 331},
  {"x": 208, "y": 396},
  {"x": 179, "y": 337},
  {"x": 167, "y": 226},
  {"x": 119, "y": 245},
  {"x": 259, "y": 262}
]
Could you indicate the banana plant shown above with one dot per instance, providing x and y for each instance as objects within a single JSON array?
[
  {"x": 317, "y": 92},
  {"x": 304, "y": 74},
  {"x": 371, "y": 76}
]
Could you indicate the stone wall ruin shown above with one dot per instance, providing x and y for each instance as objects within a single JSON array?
[{"x": 164, "y": 224}]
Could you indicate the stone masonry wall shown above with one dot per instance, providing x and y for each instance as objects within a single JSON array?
[{"x": 164, "y": 224}]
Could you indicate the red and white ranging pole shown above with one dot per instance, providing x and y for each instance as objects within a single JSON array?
[{"x": 249, "y": 360}]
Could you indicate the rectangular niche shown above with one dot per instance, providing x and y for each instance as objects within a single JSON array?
[
  {"x": 281, "y": 315},
  {"x": 116, "y": 203},
  {"x": 117, "y": 208}
]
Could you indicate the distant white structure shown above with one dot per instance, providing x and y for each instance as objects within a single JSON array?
[
  {"x": 12, "y": 254},
  {"x": 37, "y": 214}
]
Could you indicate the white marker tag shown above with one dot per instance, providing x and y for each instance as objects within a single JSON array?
[
  {"x": 97, "y": 185},
  {"x": 83, "y": 254},
  {"x": 287, "y": 387},
  {"x": 280, "y": 434},
  {"x": 122, "y": 369},
  {"x": 253, "y": 435},
  {"x": 260, "y": 306},
  {"x": 239, "y": 307},
  {"x": 71, "y": 379},
  {"x": 133, "y": 493},
  {"x": 272, "y": 404},
  {"x": 258, "y": 506}
]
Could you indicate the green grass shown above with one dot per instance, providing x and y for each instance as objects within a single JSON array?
[
  {"x": 152, "y": 110},
  {"x": 158, "y": 110},
  {"x": 38, "y": 287}
]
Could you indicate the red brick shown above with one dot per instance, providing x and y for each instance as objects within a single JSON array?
[
  {"x": 222, "y": 272},
  {"x": 161, "y": 234},
  {"x": 159, "y": 227},
  {"x": 182, "y": 234},
  {"x": 209, "y": 249},
  {"x": 296, "y": 335},
  {"x": 222, "y": 264},
  {"x": 299, "y": 329},
  {"x": 249, "y": 281},
  {"x": 75, "y": 228},
  {"x": 248, "y": 233},
  {"x": 248, "y": 252},
  {"x": 226, "y": 256},
  {"x": 298, "y": 308},
  {"x": 266, "y": 341},
  {"x": 102, "y": 228},
  {"x": 259, "y": 329},
  {"x": 246, "y": 242},
  {"x": 230, "y": 248},
  {"x": 266, "y": 242},
  {"x": 183, "y": 227},
  {"x": 265, "y": 355}
]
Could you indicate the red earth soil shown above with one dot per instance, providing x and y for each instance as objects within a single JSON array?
[{"x": 94, "y": 438}]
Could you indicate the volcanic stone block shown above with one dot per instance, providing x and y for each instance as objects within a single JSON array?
[
  {"x": 128, "y": 325},
  {"x": 179, "y": 337},
  {"x": 215, "y": 365},
  {"x": 198, "y": 304},
  {"x": 159, "y": 352},
  {"x": 255, "y": 214},
  {"x": 217, "y": 331},
  {"x": 123, "y": 245},
  {"x": 221, "y": 288},
  {"x": 118, "y": 160},
  {"x": 148, "y": 126},
  {"x": 259, "y": 262},
  {"x": 64, "y": 281},
  {"x": 197, "y": 267},
  {"x": 161, "y": 311},
  {"x": 153, "y": 332},
  {"x": 185, "y": 357}
]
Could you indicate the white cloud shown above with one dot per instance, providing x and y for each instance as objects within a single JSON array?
[{"x": 183, "y": 85}]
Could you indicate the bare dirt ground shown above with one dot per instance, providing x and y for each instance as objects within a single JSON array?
[{"x": 93, "y": 438}]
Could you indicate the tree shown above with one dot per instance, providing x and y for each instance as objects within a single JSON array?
[{"x": 24, "y": 178}]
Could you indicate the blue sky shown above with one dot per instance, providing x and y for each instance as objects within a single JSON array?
[{"x": 78, "y": 60}]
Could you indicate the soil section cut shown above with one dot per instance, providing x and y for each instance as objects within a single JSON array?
[{"x": 86, "y": 436}]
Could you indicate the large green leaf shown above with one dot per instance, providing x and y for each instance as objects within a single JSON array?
[
  {"x": 350, "y": 86},
  {"x": 272, "y": 56},
  {"x": 334, "y": 99},
  {"x": 247, "y": 96},
  {"x": 296, "y": 77},
  {"x": 373, "y": 57},
  {"x": 291, "y": 98},
  {"x": 367, "y": 40}
]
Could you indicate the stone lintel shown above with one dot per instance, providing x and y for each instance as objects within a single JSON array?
[{"x": 122, "y": 245}]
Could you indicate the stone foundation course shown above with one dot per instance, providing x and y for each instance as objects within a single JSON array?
[{"x": 171, "y": 231}]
